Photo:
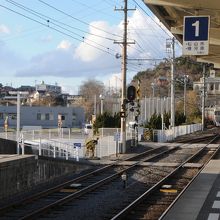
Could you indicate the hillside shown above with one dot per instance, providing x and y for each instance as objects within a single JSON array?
[{"x": 160, "y": 77}]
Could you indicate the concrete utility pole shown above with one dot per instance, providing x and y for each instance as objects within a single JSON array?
[
  {"x": 203, "y": 97},
  {"x": 18, "y": 95},
  {"x": 185, "y": 95},
  {"x": 172, "y": 85},
  {"x": 123, "y": 76},
  {"x": 18, "y": 120}
]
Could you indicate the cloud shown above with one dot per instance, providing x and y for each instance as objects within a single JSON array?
[
  {"x": 46, "y": 39},
  {"x": 64, "y": 44},
  {"x": 88, "y": 59},
  {"x": 93, "y": 46},
  {"x": 4, "y": 29}
]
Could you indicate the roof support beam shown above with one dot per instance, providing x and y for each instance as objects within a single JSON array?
[{"x": 198, "y": 4}]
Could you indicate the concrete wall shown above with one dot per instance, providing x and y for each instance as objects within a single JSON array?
[
  {"x": 10, "y": 147},
  {"x": 7, "y": 146},
  {"x": 24, "y": 173}
]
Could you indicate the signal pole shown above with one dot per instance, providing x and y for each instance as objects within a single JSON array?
[{"x": 123, "y": 76}]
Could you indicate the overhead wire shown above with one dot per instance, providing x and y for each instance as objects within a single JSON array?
[
  {"x": 42, "y": 16},
  {"x": 151, "y": 18},
  {"x": 37, "y": 13},
  {"x": 79, "y": 20},
  {"x": 55, "y": 29},
  {"x": 102, "y": 11}
]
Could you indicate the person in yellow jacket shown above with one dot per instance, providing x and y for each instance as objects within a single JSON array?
[{"x": 90, "y": 146}]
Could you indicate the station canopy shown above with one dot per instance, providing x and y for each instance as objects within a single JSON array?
[{"x": 171, "y": 13}]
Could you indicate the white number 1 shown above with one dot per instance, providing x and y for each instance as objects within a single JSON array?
[{"x": 196, "y": 25}]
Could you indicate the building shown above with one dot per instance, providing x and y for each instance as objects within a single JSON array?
[
  {"x": 46, "y": 117},
  {"x": 212, "y": 89},
  {"x": 46, "y": 88}
]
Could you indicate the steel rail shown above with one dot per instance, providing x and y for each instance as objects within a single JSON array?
[
  {"x": 193, "y": 179},
  {"x": 137, "y": 201},
  {"x": 77, "y": 179},
  {"x": 87, "y": 189}
]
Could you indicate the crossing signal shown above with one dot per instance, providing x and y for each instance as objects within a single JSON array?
[{"x": 131, "y": 93}]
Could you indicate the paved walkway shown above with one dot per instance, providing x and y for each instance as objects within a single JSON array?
[{"x": 201, "y": 201}]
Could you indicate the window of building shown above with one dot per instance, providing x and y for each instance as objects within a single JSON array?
[
  {"x": 38, "y": 116},
  {"x": 211, "y": 86},
  {"x": 12, "y": 116},
  {"x": 1, "y": 115},
  {"x": 74, "y": 116},
  {"x": 216, "y": 86},
  {"x": 47, "y": 116}
]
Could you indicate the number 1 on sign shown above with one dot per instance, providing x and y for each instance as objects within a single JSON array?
[{"x": 196, "y": 25}]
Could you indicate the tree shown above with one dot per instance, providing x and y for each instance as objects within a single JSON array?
[
  {"x": 88, "y": 90},
  {"x": 106, "y": 120},
  {"x": 193, "y": 112}
]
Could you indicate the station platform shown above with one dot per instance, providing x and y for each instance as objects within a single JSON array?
[{"x": 201, "y": 201}]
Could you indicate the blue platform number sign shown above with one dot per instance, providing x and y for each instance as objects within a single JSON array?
[
  {"x": 77, "y": 145},
  {"x": 196, "y": 35}
]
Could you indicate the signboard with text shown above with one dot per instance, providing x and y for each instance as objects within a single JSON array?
[
  {"x": 77, "y": 145},
  {"x": 196, "y": 35}
]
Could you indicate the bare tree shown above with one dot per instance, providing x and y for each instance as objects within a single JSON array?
[{"x": 88, "y": 90}]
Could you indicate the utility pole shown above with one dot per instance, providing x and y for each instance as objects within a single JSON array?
[
  {"x": 172, "y": 85},
  {"x": 185, "y": 76},
  {"x": 170, "y": 46},
  {"x": 203, "y": 97},
  {"x": 123, "y": 76}
]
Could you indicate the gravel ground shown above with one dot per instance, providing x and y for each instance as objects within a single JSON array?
[{"x": 112, "y": 197}]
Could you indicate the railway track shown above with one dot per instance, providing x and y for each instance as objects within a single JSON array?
[
  {"x": 157, "y": 201},
  {"x": 70, "y": 189},
  {"x": 105, "y": 184}
]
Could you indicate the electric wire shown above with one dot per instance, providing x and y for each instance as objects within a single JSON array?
[
  {"x": 83, "y": 22},
  {"x": 151, "y": 18},
  {"x": 55, "y": 29},
  {"x": 40, "y": 14},
  {"x": 50, "y": 22}
]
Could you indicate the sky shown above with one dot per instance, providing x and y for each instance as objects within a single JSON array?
[{"x": 71, "y": 41}]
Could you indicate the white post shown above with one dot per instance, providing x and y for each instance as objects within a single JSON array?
[
  {"x": 69, "y": 133},
  {"x": 77, "y": 154},
  {"x": 40, "y": 148},
  {"x": 49, "y": 134},
  {"x": 145, "y": 108},
  {"x": 66, "y": 152},
  {"x": 54, "y": 151},
  {"x": 22, "y": 144},
  {"x": 100, "y": 150},
  {"x": 18, "y": 121}
]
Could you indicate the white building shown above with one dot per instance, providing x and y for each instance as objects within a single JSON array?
[
  {"x": 46, "y": 88},
  {"x": 212, "y": 89}
]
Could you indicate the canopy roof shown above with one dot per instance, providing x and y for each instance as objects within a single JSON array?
[{"x": 171, "y": 13}]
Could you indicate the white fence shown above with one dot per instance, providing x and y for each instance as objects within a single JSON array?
[{"x": 171, "y": 134}]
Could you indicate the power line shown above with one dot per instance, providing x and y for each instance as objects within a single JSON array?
[
  {"x": 83, "y": 22},
  {"x": 52, "y": 19},
  {"x": 150, "y": 17},
  {"x": 55, "y": 29},
  {"x": 50, "y": 22}
]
